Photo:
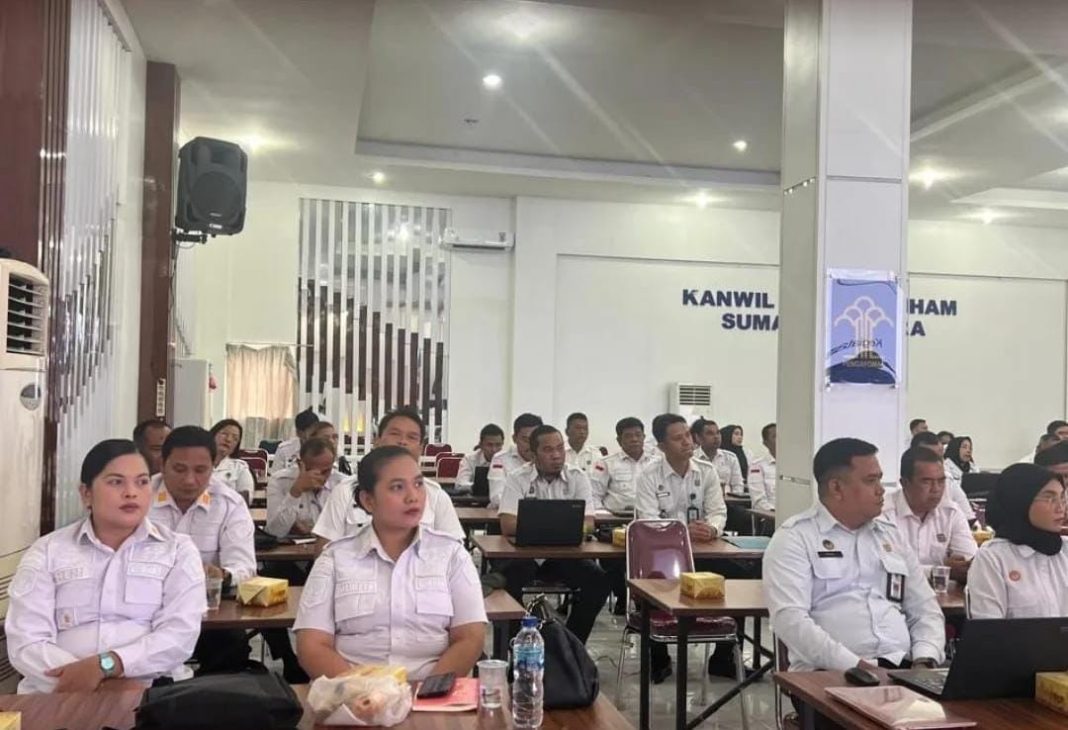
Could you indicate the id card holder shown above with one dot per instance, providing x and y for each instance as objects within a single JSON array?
[{"x": 895, "y": 587}]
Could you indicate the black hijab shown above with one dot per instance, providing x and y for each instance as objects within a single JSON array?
[{"x": 1009, "y": 504}]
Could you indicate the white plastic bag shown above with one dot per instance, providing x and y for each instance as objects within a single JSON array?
[{"x": 361, "y": 701}]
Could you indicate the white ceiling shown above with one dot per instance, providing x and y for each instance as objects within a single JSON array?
[{"x": 604, "y": 99}]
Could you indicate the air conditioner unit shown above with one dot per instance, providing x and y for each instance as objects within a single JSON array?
[
  {"x": 690, "y": 401},
  {"x": 24, "y": 298},
  {"x": 477, "y": 240}
]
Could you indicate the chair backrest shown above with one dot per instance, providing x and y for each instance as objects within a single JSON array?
[
  {"x": 449, "y": 467},
  {"x": 256, "y": 464},
  {"x": 435, "y": 449},
  {"x": 446, "y": 454},
  {"x": 255, "y": 453},
  {"x": 658, "y": 549}
]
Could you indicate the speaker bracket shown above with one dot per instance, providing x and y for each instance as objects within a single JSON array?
[{"x": 180, "y": 236}]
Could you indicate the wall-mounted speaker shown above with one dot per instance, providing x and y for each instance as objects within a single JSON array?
[{"x": 212, "y": 177}]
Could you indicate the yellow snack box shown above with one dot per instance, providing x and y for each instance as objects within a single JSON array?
[
  {"x": 263, "y": 591},
  {"x": 395, "y": 671},
  {"x": 702, "y": 585},
  {"x": 10, "y": 721},
  {"x": 619, "y": 537},
  {"x": 982, "y": 536},
  {"x": 1051, "y": 690}
]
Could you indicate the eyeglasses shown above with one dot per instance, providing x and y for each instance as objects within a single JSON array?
[{"x": 1052, "y": 499}]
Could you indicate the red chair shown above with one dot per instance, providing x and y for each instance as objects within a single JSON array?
[
  {"x": 254, "y": 453},
  {"x": 445, "y": 455},
  {"x": 449, "y": 467},
  {"x": 661, "y": 549},
  {"x": 435, "y": 449}
]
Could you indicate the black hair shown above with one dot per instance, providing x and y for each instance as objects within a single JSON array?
[
  {"x": 836, "y": 455},
  {"x": 925, "y": 438},
  {"x": 315, "y": 446},
  {"x": 947, "y": 433},
  {"x": 916, "y": 422},
  {"x": 576, "y": 416},
  {"x": 698, "y": 427},
  {"x": 661, "y": 424},
  {"x": 538, "y": 432},
  {"x": 141, "y": 429},
  {"x": 321, "y": 425},
  {"x": 305, "y": 419},
  {"x": 229, "y": 422},
  {"x": 525, "y": 420},
  {"x": 370, "y": 466},
  {"x": 103, "y": 454},
  {"x": 490, "y": 429},
  {"x": 1051, "y": 429},
  {"x": 765, "y": 431},
  {"x": 953, "y": 452},
  {"x": 1054, "y": 455},
  {"x": 403, "y": 412},
  {"x": 629, "y": 422},
  {"x": 189, "y": 437},
  {"x": 727, "y": 434},
  {"x": 915, "y": 455}
]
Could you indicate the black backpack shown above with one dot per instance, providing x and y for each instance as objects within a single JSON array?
[
  {"x": 570, "y": 679},
  {"x": 258, "y": 701}
]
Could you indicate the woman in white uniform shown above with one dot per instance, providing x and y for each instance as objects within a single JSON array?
[
  {"x": 232, "y": 472},
  {"x": 959, "y": 459},
  {"x": 111, "y": 596},
  {"x": 1023, "y": 571},
  {"x": 396, "y": 592}
]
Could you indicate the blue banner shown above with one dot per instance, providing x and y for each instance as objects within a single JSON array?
[{"x": 862, "y": 323}]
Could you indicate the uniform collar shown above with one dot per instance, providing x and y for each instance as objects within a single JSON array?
[
  {"x": 901, "y": 506},
  {"x": 535, "y": 475},
  {"x": 666, "y": 470},
  {"x": 626, "y": 457},
  {"x": 827, "y": 522},
  {"x": 583, "y": 450},
  {"x": 144, "y": 531},
  {"x": 162, "y": 496},
  {"x": 366, "y": 542}
]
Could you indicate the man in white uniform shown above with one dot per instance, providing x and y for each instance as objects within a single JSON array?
[
  {"x": 186, "y": 499},
  {"x": 504, "y": 462},
  {"x": 764, "y": 472},
  {"x": 935, "y": 530},
  {"x": 549, "y": 477},
  {"x": 296, "y": 495},
  {"x": 579, "y": 453},
  {"x": 149, "y": 436},
  {"x": 490, "y": 442},
  {"x": 288, "y": 451},
  {"x": 707, "y": 442},
  {"x": 842, "y": 587},
  {"x": 954, "y": 490}
]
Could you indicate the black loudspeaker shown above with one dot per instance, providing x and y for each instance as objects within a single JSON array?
[{"x": 212, "y": 177}]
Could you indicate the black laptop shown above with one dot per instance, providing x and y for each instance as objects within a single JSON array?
[
  {"x": 480, "y": 487},
  {"x": 549, "y": 522},
  {"x": 995, "y": 658}
]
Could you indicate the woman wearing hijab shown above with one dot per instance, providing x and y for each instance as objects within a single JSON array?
[
  {"x": 1023, "y": 571},
  {"x": 959, "y": 460},
  {"x": 731, "y": 437}
]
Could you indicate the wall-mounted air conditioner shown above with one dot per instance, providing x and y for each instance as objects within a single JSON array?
[
  {"x": 690, "y": 401},
  {"x": 477, "y": 240},
  {"x": 24, "y": 297}
]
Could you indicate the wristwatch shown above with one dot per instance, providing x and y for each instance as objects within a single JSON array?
[{"x": 108, "y": 665}]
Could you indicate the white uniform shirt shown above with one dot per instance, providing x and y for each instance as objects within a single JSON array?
[
  {"x": 219, "y": 523},
  {"x": 728, "y": 469},
  {"x": 827, "y": 592},
  {"x": 504, "y": 463},
  {"x": 613, "y": 479},
  {"x": 465, "y": 477},
  {"x": 74, "y": 597},
  {"x": 527, "y": 483},
  {"x": 1016, "y": 581},
  {"x": 954, "y": 492},
  {"x": 283, "y": 509},
  {"x": 942, "y": 532},
  {"x": 235, "y": 474},
  {"x": 286, "y": 454},
  {"x": 762, "y": 476},
  {"x": 662, "y": 494},
  {"x": 342, "y": 518},
  {"x": 582, "y": 459},
  {"x": 381, "y": 612}
]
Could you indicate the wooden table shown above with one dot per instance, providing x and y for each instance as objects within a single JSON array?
[
  {"x": 739, "y": 500},
  {"x": 94, "y": 710},
  {"x": 232, "y": 615},
  {"x": 765, "y": 515},
  {"x": 808, "y": 688},
  {"x": 308, "y": 551},
  {"x": 495, "y": 547},
  {"x": 481, "y": 516},
  {"x": 503, "y": 613}
]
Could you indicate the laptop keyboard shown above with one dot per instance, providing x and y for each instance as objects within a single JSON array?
[{"x": 933, "y": 681}]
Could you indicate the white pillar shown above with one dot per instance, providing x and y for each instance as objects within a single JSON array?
[{"x": 845, "y": 157}]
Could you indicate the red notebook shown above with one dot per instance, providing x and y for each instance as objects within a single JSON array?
[
  {"x": 463, "y": 698},
  {"x": 898, "y": 708}
]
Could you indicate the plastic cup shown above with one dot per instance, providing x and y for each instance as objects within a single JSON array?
[
  {"x": 940, "y": 578},
  {"x": 492, "y": 683},
  {"x": 214, "y": 587}
]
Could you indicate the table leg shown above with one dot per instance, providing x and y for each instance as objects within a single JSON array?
[
  {"x": 682, "y": 651},
  {"x": 807, "y": 715},
  {"x": 757, "y": 645},
  {"x": 644, "y": 661}
]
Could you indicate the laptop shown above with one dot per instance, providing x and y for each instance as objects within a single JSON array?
[
  {"x": 549, "y": 522},
  {"x": 995, "y": 658},
  {"x": 480, "y": 488}
]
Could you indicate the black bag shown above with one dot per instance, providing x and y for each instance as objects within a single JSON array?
[
  {"x": 263, "y": 540},
  {"x": 570, "y": 679},
  {"x": 261, "y": 701}
]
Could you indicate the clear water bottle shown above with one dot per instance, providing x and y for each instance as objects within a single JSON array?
[{"x": 528, "y": 651}]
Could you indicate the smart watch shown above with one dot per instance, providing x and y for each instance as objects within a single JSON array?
[{"x": 108, "y": 665}]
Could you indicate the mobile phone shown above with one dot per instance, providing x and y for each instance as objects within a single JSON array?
[{"x": 437, "y": 686}]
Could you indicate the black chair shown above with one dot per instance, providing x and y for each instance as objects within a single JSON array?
[{"x": 978, "y": 485}]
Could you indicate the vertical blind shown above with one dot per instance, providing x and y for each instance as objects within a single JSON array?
[{"x": 373, "y": 319}]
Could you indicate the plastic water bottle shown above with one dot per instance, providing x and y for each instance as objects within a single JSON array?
[{"x": 528, "y": 651}]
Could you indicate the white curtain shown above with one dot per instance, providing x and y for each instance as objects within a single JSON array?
[{"x": 260, "y": 391}]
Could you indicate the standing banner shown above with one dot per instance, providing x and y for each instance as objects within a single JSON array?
[{"x": 863, "y": 316}]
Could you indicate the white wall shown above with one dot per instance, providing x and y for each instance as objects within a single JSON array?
[{"x": 586, "y": 314}]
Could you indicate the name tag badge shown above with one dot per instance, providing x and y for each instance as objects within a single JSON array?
[
  {"x": 941, "y": 537},
  {"x": 895, "y": 587},
  {"x": 830, "y": 553}
]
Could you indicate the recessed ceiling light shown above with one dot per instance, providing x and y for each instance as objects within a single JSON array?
[
  {"x": 741, "y": 145},
  {"x": 492, "y": 81},
  {"x": 987, "y": 216},
  {"x": 378, "y": 177},
  {"x": 928, "y": 176},
  {"x": 252, "y": 142},
  {"x": 702, "y": 199}
]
